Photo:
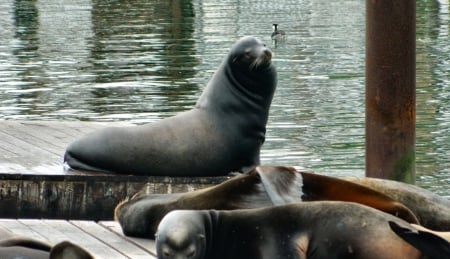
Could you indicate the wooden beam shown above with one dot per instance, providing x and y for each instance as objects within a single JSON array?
[{"x": 390, "y": 89}]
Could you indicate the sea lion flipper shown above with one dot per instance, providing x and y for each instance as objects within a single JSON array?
[
  {"x": 282, "y": 184},
  {"x": 320, "y": 187},
  {"x": 429, "y": 244}
]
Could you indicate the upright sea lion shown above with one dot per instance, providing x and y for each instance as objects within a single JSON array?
[
  {"x": 302, "y": 230},
  {"x": 223, "y": 133},
  {"x": 263, "y": 186}
]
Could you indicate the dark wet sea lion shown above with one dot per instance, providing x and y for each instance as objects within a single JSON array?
[
  {"x": 303, "y": 230},
  {"x": 223, "y": 133},
  {"x": 263, "y": 186},
  {"x": 429, "y": 243}
]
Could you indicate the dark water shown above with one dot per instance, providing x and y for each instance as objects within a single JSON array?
[{"x": 142, "y": 61}]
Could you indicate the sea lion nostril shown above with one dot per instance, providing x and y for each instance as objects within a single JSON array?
[{"x": 268, "y": 53}]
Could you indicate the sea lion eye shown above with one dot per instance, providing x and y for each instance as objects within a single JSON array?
[
  {"x": 166, "y": 252},
  {"x": 248, "y": 52},
  {"x": 191, "y": 254}
]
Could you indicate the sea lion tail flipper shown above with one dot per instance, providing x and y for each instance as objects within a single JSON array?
[
  {"x": 431, "y": 245},
  {"x": 320, "y": 187}
]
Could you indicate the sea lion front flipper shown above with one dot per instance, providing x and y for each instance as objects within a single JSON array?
[
  {"x": 282, "y": 184},
  {"x": 429, "y": 244},
  {"x": 320, "y": 187}
]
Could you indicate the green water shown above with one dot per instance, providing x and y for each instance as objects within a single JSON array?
[{"x": 142, "y": 61}]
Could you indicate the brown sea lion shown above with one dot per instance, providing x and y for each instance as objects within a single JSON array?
[
  {"x": 432, "y": 211},
  {"x": 263, "y": 186},
  {"x": 303, "y": 230},
  {"x": 223, "y": 133}
]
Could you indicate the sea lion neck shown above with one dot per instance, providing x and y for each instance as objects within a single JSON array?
[
  {"x": 230, "y": 238},
  {"x": 233, "y": 87},
  {"x": 210, "y": 219}
]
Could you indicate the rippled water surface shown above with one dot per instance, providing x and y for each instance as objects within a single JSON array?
[{"x": 142, "y": 61}]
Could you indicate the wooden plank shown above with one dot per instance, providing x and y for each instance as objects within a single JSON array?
[
  {"x": 20, "y": 147},
  {"x": 101, "y": 240},
  {"x": 20, "y": 229},
  {"x": 114, "y": 240},
  {"x": 143, "y": 243},
  {"x": 41, "y": 137},
  {"x": 59, "y": 230}
]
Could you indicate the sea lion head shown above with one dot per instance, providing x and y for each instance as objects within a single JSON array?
[
  {"x": 181, "y": 234},
  {"x": 251, "y": 53}
]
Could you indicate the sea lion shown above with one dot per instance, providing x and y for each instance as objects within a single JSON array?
[
  {"x": 23, "y": 247},
  {"x": 260, "y": 187},
  {"x": 432, "y": 211},
  {"x": 430, "y": 243},
  {"x": 303, "y": 230},
  {"x": 223, "y": 133}
]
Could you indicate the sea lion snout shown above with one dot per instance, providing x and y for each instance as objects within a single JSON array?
[{"x": 267, "y": 55}]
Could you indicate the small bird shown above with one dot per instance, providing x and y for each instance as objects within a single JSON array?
[{"x": 277, "y": 34}]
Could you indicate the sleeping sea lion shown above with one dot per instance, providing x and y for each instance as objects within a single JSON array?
[
  {"x": 261, "y": 187},
  {"x": 303, "y": 230}
]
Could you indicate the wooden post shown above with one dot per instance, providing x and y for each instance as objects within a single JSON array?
[{"x": 390, "y": 89}]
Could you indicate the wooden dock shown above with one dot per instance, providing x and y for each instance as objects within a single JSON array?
[
  {"x": 103, "y": 239},
  {"x": 35, "y": 184}
]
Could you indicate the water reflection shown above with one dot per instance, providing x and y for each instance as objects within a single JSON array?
[
  {"x": 433, "y": 81},
  {"x": 145, "y": 60},
  {"x": 150, "y": 48}
]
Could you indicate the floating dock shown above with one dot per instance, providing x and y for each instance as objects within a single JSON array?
[
  {"x": 103, "y": 239},
  {"x": 35, "y": 184}
]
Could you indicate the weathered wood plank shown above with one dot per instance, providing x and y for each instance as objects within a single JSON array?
[
  {"x": 37, "y": 134},
  {"x": 101, "y": 240},
  {"x": 20, "y": 146},
  {"x": 42, "y": 142},
  {"x": 59, "y": 230},
  {"x": 113, "y": 239},
  {"x": 146, "y": 244},
  {"x": 18, "y": 228}
]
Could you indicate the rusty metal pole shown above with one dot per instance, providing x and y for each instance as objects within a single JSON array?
[{"x": 390, "y": 89}]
